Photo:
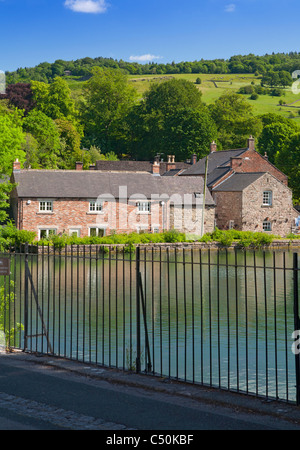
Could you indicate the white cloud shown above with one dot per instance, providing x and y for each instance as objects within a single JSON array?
[
  {"x": 230, "y": 8},
  {"x": 144, "y": 58},
  {"x": 87, "y": 6}
]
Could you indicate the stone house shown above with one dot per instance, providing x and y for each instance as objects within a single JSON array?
[
  {"x": 250, "y": 193},
  {"x": 95, "y": 203}
]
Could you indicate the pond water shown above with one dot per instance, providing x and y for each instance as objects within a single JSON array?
[{"x": 221, "y": 319}]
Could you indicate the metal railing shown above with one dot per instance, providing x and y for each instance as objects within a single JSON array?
[{"x": 218, "y": 318}]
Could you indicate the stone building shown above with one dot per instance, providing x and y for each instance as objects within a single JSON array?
[{"x": 250, "y": 193}]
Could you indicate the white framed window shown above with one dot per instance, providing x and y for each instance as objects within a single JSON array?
[
  {"x": 142, "y": 228},
  {"x": 267, "y": 225},
  {"x": 231, "y": 224},
  {"x": 95, "y": 206},
  {"x": 45, "y": 233},
  {"x": 267, "y": 198},
  {"x": 46, "y": 206},
  {"x": 97, "y": 231},
  {"x": 74, "y": 232},
  {"x": 144, "y": 207},
  {"x": 155, "y": 229}
]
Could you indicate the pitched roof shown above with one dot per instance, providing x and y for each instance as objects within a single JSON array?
[
  {"x": 238, "y": 182},
  {"x": 90, "y": 184},
  {"x": 136, "y": 166},
  {"x": 215, "y": 159}
]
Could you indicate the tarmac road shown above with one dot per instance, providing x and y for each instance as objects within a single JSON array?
[{"x": 41, "y": 393}]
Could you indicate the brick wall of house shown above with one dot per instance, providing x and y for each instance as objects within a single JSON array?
[
  {"x": 251, "y": 161},
  {"x": 74, "y": 214},
  {"x": 281, "y": 214},
  {"x": 228, "y": 208}
]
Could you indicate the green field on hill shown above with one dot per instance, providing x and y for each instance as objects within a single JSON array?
[{"x": 212, "y": 87}]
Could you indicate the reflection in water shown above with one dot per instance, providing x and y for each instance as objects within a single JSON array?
[{"x": 210, "y": 319}]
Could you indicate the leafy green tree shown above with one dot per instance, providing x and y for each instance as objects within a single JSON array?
[
  {"x": 288, "y": 160},
  {"x": 156, "y": 121},
  {"x": 108, "y": 98},
  {"x": 11, "y": 141},
  {"x": 5, "y": 188},
  {"x": 188, "y": 131},
  {"x": 274, "y": 138},
  {"x": 46, "y": 133},
  {"x": 235, "y": 120},
  {"x": 55, "y": 99}
]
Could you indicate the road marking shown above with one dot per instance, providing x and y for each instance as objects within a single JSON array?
[{"x": 55, "y": 416}]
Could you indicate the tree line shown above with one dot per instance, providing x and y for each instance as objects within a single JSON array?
[
  {"x": 238, "y": 64},
  {"x": 45, "y": 128}
]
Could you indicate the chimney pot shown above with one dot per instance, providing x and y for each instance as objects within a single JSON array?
[
  {"x": 79, "y": 165},
  {"x": 194, "y": 159},
  {"x": 213, "y": 147},
  {"x": 16, "y": 165},
  {"x": 156, "y": 167},
  {"x": 251, "y": 143}
]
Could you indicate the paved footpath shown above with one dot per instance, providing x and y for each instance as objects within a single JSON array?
[{"x": 44, "y": 393}]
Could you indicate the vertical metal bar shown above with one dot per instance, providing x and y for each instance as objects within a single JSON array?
[
  {"x": 201, "y": 312},
  {"x": 193, "y": 317},
  {"x": 109, "y": 308},
  {"x": 71, "y": 303},
  {"x": 228, "y": 320},
  {"x": 266, "y": 325},
  {"x": 116, "y": 305},
  {"x": 90, "y": 306},
  {"x": 160, "y": 313},
  {"x": 210, "y": 317},
  {"x": 177, "y": 318},
  {"x": 256, "y": 321},
  {"x": 246, "y": 320},
  {"x": 285, "y": 329},
  {"x": 185, "y": 314},
  {"x": 153, "y": 311},
  {"x": 237, "y": 321},
  {"x": 296, "y": 323},
  {"x": 26, "y": 299},
  {"x": 275, "y": 324},
  {"x": 169, "y": 313},
  {"x": 218, "y": 315},
  {"x": 138, "y": 324}
]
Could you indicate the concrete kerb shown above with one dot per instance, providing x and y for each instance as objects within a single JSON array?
[{"x": 217, "y": 398}]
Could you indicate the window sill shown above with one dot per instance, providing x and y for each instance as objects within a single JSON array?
[
  {"x": 47, "y": 213},
  {"x": 144, "y": 213},
  {"x": 95, "y": 213},
  {"x": 267, "y": 206}
]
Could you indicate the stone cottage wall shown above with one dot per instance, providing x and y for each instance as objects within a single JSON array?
[{"x": 281, "y": 213}]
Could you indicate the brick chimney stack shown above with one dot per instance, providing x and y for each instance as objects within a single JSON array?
[
  {"x": 194, "y": 159},
  {"x": 213, "y": 147},
  {"x": 251, "y": 143},
  {"x": 156, "y": 166},
  {"x": 79, "y": 165},
  {"x": 171, "y": 163},
  {"x": 16, "y": 166}
]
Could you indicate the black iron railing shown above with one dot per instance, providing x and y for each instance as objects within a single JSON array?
[{"x": 219, "y": 318}]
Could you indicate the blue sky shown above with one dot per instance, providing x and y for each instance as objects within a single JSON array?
[{"x": 34, "y": 31}]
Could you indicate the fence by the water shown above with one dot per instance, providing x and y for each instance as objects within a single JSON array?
[{"x": 217, "y": 318}]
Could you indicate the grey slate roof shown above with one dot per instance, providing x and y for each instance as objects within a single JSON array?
[
  {"x": 90, "y": 184},
  {"x": 136, "y": 166},
  {"x": 215, "y": 159},
  {"x": 238, "y": 182}
]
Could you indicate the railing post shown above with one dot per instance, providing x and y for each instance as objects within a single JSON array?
[
  {"x": 296, "y": 323},
  {"x": 26, "y": 298},
  {"x": 138, "y": 314}
]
